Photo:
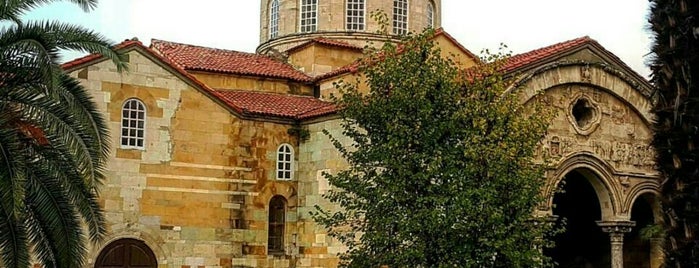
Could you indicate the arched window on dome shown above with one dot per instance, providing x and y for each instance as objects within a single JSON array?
[
  {"x": 274, "y": 19},
  {"x": 430, "y": 14},
  {"x": 355, "y": 15},
  {"x": 400, "y": 17},
  {"x": 309, "y": 16},
  {"x": 285, "y": 162},
  {"x": 133, "y": 124}
]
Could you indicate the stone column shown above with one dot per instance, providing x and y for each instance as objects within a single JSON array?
[{"x": 616, "y": 231}]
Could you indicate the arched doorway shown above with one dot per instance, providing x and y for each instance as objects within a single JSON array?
[
  {"x": 126, "y": 253},
  {"x": 582, "y": 244},
  {"x": 640, "y": 248}
]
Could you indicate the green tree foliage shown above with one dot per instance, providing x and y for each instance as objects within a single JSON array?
[
  {"x": 675, "y": 73},
  {"x": 53, "y": 141},
  {"x": 440, "y": 166}
]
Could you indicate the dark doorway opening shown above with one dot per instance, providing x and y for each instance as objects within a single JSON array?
[
  {"x": 582, "y": 244},
  {"x": 637, "y": 248},
  {"x": 126, "y": 253}
]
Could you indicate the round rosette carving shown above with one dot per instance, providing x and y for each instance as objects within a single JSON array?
[{"x": 584, "y": 115}]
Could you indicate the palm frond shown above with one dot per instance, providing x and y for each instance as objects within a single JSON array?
[
  {"x": 13, "y": 9},
  {"x": 54, "y": 142},
  {"x": 55, "y": 218}
]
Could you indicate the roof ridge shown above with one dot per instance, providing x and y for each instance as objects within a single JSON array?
[
  {"x": 201, "y": 58},
  {"x": 93, "y": 56},
  {"x": 536, "y": 55},
  {"x": 205, "y": 47},
  {"x": 267, "y": 93},
  {"x": 574, "y": 40}
]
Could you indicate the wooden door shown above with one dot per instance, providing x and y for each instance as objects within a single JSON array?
[{"x": 126, "y": 253}]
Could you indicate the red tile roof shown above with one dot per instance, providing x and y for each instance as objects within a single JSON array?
[
  {"x": 327, "y": 42},
  {"x": 91, "y": 57},
  {"x": 241, "y": 102},
  {"x": 270, "y": 104},
  {"x": 197, "y": 58},
  {"x": 535, "y": 56},
  {"x": 354, "y": 67}
]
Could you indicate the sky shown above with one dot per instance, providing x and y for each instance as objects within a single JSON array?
[{"x": 618, "y": 25}]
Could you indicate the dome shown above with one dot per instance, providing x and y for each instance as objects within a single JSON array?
[{"x": 287, "y": 23}]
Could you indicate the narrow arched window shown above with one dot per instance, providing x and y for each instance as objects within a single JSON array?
[
  {"x": 285, "y": 162},
  {"x": 275, "y": 232},
  {"x": 430, "y": 14},
  {"x": 355, "y": 15},
  {"x": 133, "y": 124},
  {"x": 274, "y": 19},
  {"x": 400, "y": 17},
  {"x": 309, "y": 16}
]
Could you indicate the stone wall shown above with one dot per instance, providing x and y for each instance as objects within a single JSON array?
[
  {"x": 237, "y": 82},
  {"x": 318, "y": 156},
  {"x": 198, "y": 193},
  {"x": 319, "y": 59}
]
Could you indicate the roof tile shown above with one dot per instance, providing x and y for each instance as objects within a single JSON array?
[
  {"x": 198, "y": 58},
  {"x": 270, "y": 104},
  {"x": 94, "y": 56},
  {"x": 537, "y": 55},
  {"x": 327, "y": 42}
]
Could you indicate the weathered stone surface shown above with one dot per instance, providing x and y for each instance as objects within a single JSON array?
[{"x": 198, "y": 193}]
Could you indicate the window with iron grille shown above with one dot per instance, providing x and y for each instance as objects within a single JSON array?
[
  {"x": 133, "y": 124},
  {"x": 355, "y": 15},
  {"x": 400, "y": 17},
  {"x": 285, "y": 162},
  {"x": 430, "y": 14},
  {"x": 309, "y": 15},
  {"x": 275, "y": 232},
  {"x": 274, "y": 19}
]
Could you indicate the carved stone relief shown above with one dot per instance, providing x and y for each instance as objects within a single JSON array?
[{"x": 602, "y": 125}]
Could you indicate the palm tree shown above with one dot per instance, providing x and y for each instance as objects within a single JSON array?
[
  {"x": 675, "y": 68},
  {"x": 53, "y": 141}
]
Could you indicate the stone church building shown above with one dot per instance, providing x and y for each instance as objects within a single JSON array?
[{"x": 218, "y": 155}]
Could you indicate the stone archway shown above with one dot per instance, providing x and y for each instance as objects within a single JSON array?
[
  {"x": 126, "y": 253},
  {"x": 601, "y": 134},
  {"x": 643, "y": 246},
  {"x": 577, "y": 208}
]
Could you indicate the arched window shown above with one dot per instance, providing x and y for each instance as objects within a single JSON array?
[
  {"x": 400, "y": 17},
  {"x": 355, "y": 15},
  {"x": 309, "y": 15},
  {"x": 285, "y": 162},
  {"x": 126, "y": 253},
  {"x": 274, "y": 19},
  {"x": 430, "y": 14},
  {"x": 275, "y": 232},
  {"x": 133, "y": 124}
]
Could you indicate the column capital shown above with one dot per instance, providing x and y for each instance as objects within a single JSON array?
[
  {"x": 613, "y": 227},
  {"x": 616, "y": 230}
]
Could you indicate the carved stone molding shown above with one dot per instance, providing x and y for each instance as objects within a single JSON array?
[{"x": 616, "y": 227}]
